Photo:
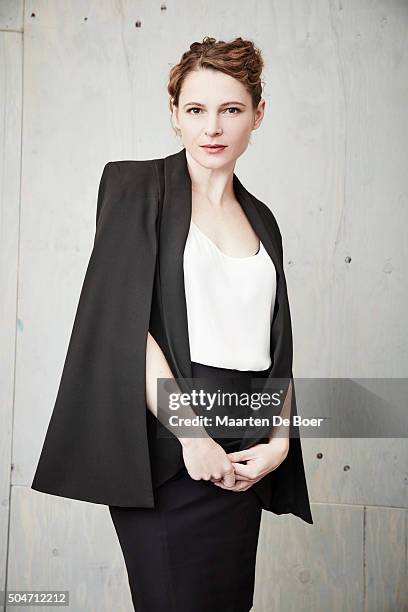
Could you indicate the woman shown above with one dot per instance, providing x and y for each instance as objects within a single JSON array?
[{"x": 185, "y": 282}]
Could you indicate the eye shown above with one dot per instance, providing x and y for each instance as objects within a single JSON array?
[
  {"x": 195, "y": 108},
  {"x": 233, "y": 108}
]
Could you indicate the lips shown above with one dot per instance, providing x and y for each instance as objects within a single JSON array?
[{"x": 212, "y": 149}]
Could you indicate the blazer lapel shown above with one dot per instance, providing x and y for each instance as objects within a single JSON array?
[
  {"x": 248, "y": 205},
  {"x": 174, "y": 227}
]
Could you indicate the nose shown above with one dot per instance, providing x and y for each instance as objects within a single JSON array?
[{"x": 214, "y": 126}]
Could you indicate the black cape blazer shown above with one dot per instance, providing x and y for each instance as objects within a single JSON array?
[{"x": 101, "y": 444}]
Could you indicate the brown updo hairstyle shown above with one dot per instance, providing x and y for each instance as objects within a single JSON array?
[{"x": 238, "y": 58}]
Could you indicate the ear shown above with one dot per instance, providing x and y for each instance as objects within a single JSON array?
[
  {"x": 174, "y": 118},
  {"x": 259, "y": 114}
]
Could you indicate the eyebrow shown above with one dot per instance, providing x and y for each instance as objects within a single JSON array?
[{"x": 223, "y": 104}]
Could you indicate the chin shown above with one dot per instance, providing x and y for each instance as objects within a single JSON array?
[
  {"x": 214, "y": 161},
  {"x": 214, "y": 165}
]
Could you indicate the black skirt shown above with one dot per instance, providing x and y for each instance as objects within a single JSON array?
[{"x": 195, "y": 551}]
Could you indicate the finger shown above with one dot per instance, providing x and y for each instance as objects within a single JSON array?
[
  {"x": 229, "y": 479},
  {"x": 238, "y": 455},
  {"x": 243, "y": 472},
  {"x": 237, "y": 487}
]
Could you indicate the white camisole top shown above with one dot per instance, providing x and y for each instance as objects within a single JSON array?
[{"x": 230, "y": 302}]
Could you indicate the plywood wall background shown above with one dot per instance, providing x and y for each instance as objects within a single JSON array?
[{"x": 82, "y": 84}]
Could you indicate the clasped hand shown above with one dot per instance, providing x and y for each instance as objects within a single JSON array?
[{"x": 260, "y": 460}]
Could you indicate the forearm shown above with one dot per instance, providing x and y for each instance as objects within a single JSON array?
[{"x": 157, "y": 367}]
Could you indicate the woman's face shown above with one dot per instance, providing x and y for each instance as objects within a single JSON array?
[{"x": 215, "y": 108}]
